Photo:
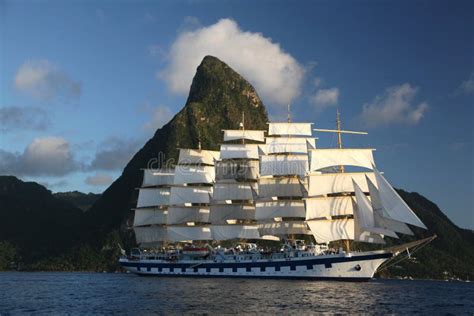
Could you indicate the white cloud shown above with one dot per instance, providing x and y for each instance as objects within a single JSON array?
[
  {"x": 325, "y": 97},
  {"x": 276, "y": 74},
  {"x": 44, "y": 80},
  {"x": 43, "y": 156},
  {"x": 160, "y": 115},
  {"x": 394, "y": 106},
  {"x": 99, "y": 179},
  {"x": 467, "y": 87}
]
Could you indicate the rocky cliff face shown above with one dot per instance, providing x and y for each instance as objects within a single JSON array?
[{"x": 216, "y": 101}]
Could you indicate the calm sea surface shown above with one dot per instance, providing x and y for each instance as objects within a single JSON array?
[{"x": 90, "y": 293}]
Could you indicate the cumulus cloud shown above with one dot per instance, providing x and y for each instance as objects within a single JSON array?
[
  {"x": 99, "y": 179},
  {"x": 114, "y": 154},
  {"x": 47, "y": 156},
  {"x": 325, "y": 97},
  {"x": 160, "y": 115},
  {"x": 14, "y": 118},
  {"x": 396, "y": 105},
  {"x": 45, "y": 81},
  {"x": 467, "y": 86},
  {"x": 276, "y": 74}
]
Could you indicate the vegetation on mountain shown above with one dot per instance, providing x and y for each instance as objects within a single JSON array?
[
  {"x": 449, "y": 256},
  {"x": 34, "y": 222}
]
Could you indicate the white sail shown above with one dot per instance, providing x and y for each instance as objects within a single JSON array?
[
  {"x": 284, "y": 165},
  {"x": 273, "y": 209},
  {"x": 369, "y": 237},
  {"x": 233, "y": 134},
  {"x": 234, "y": 191},
  {"x": 291, "y": 145},
  {"x": 149, "y": 216},
  {"x": 381, "y": 218},
  {"x": 310, "y": 141},
  {"x": 221, "y": 213},
  {"x": 325, "y": 207},
  {"x": 239, "y": 151},
  {"x": 323, "y": 158},
  {"x": 325, "y": 231},
  {"x": 149, "y": 236},
  {"x": 284, "y": 228},
  {"x": 364, "y": 216},
  {"x": 185, "y": 174},
  {"x": 188, "y": 233},
  {"x": 283, "y": 186},
  {"x": 394, "y": 205},
  {"x": 191, "y": 194},
  {"x": 148, "y": 197},
  {"x": 182, "y": 215},
  {"x": 330, "y": 183},
  {"x": 156, "y": 177},
  {"x": 195, "y": 156},
  {"x": 226, "y": 232},
  {"x": 237, "y": 170},
  {"x": 294, "y": 129}
]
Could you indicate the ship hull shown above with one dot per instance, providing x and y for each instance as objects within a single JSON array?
[{"x": 342, "y": 267}]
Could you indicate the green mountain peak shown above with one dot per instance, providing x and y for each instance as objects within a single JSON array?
[{"x": 217, "y": 99}]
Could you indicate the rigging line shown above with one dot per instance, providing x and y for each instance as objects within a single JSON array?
[
  {"x": 401, "y": 258},
  {"x": 415, "y": 249}
]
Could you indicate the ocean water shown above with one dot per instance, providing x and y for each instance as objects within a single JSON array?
[{"x": 102, "y": 293}]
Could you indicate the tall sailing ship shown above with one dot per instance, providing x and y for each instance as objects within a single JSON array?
[{"x": 272, "y": 206}]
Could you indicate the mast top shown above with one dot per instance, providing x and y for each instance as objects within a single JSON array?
[
  {"x": 339, "y": 132},
  {"x": 289, "y": 113},
  {"x": 338, "y": 129}
]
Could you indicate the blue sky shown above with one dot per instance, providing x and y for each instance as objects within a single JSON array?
[{"x": 84, "y": 84}]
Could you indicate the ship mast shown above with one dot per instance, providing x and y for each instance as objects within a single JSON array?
[
  {"x": 242, "y": 126},
  {"x": 339, "y": 132},
  {"x": 199, "y": 141},
  {"x": 339, "y": 135}
]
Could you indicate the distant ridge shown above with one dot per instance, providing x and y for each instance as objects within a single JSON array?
[
  {"x": 36, "y": 222},
  {"x": 81, "y": 200}
]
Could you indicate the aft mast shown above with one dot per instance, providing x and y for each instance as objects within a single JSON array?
[{"x": 339, "y": 132}]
